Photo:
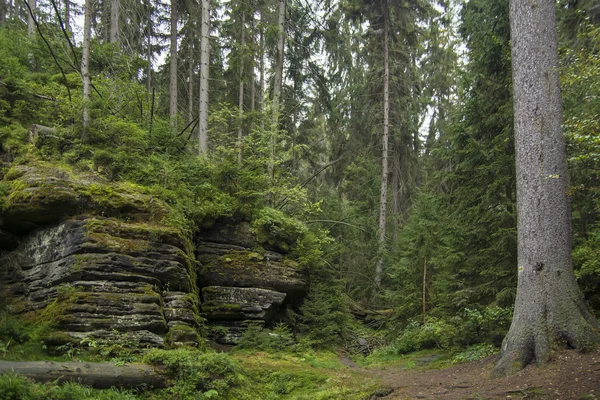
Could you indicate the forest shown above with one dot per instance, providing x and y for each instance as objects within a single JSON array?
[{"x": 287, "y": 198}]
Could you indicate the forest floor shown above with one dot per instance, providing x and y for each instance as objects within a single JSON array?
[{"x": 571, "y": 375}]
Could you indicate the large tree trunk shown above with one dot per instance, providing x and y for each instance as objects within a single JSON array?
[
  {"x": 204, "y": 70},
  {"x": 173, "y": 79},
  {"x": 384, "y": 152},
  {"x": 114, "y": 20},
  {"x": 277, "y": 85},
  {"x": 97, "y": 375},
  {"x": 261, "y": 80},
  {"x": 85, "y": 67},
  {"x": 549, "y": 308}
]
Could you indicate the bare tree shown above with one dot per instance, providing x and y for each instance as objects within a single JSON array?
[
  {"x": 85, "y": 65},
  {"x": 204, "y": 70},
  {"x": 277, "y": 84},
  {"x": 384, "y": 151},
  {"x": 549, "y": 309},
  {"x": 114, "y": 20},
  {"x": 173, "y": 78}
]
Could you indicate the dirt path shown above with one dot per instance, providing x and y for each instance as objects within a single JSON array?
[{"x": 571, "y": 375}]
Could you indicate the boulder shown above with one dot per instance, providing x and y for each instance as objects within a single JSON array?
[{"x": 242, "y": 281}]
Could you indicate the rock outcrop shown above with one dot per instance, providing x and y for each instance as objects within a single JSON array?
[
  {"x": 97, "y": 261},
  {"x": 243, "y": 281}
]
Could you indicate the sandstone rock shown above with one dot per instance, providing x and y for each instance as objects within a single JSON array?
[
  {"x": 234, "y": 303},
  {"x": 104, "y": 275}
]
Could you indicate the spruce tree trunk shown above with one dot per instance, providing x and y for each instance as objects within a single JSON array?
[
  {"x": 67, "y": 16},
  {"x": 173, "y": 78},
  {"x": 85, "y": 67},
  {"x": 550, "y": 310},
  {"x": 277, "y": 85},
  {"x": 191, "y": 84},
  {"x": 3, "y": 7},
  {"x": 241, "y": 87},
  {"x": 204, "y": 70},
  {"x": 114, "y": 20},
  {"x": 384, "y": 152},
  {"x": 30, "y": 21}
]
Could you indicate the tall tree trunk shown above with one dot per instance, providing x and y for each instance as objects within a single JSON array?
[
  {"x": 191, "y": 83},
  {"x": 67, "y": 17},
  {"x": 384, "y": 152},
  {"x": 261, "y": 81},
  {"x": 549, "y": 309},
  {"x": 3, "y": 8},
  {"x": 30, "y": 16},
  {"x": 173, "y": 80},
  {"x": 204, "y": 70},
  {"x": 241, "y": 88},
  {"x": 149, "y": 59},
  {"x": 277, "y": 85},
  {"x": 85, "y": 66},
  {"x": 114, "y": 20}
]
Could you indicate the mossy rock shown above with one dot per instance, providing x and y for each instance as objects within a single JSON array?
[{"x": 42, "y": 193}]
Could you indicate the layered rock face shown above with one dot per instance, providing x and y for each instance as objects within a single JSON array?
[
  {"x": 97, "y": 277},
  {"x": 243, "y": 281}
]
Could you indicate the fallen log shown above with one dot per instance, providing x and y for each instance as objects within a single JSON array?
[{"x": 96, "y": 375}]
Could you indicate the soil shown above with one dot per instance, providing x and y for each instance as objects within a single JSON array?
[{"x": 570, "y": 375}]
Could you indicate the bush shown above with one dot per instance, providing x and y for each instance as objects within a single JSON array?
[
  {"x": 280, "y": 338},
  {"x": 197, "y": 374}
]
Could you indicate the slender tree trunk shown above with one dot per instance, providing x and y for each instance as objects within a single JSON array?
[
  {"x": 241, "y": 89},
  {"x": 384, "y": 152},
  {"x": 261, "y": 82},
  {"x": 191, "y": 84},
  {"x": 85, "y": 66},
  {"x": 424, "y": 301},
  {"x": 277, "y": 86},
  {"x": 67, "y": 18},
  {"x": 173, "y": 80},
  {"x": 30, "y": 16},
  {"x": 149, "y": 58},
  {"x": 3, "y": 7},
  {"x": 549, "y": 309},
  {"x": 204, "y": 70},
  {"x": 114, "y": 20}
]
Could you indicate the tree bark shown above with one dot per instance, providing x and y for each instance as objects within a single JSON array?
[
  {"x": 85, "y": 67},
  {"x": 30, "y": 16},
  {"x": 114, "y": 20},
  {"x": 549, "y": 309},
  {"x": 191, "y": 83},
  {"x": 97, "y": 375},
  {"x": 384, "y": 152},
  {"x": 173, "y": 78},
  {"x": 204, "y": 71},
  {"x": 277, "y": 86},
  {"x": 241, "y": 87}
]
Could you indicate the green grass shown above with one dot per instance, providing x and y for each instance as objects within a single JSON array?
[{"x": 424, "y": 359}]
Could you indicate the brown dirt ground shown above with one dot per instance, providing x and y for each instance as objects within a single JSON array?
[{"x": 570, "y": 375}]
